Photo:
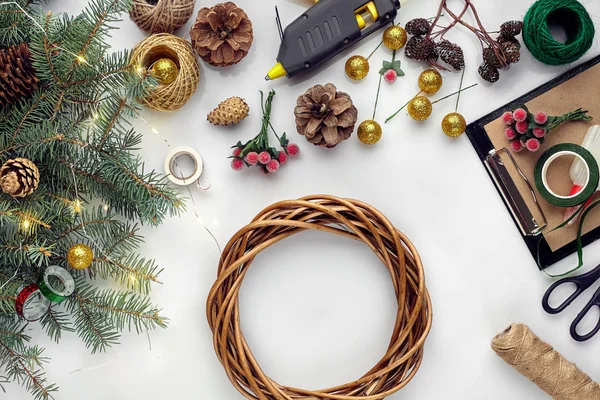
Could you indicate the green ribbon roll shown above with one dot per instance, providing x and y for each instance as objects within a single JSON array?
[
  {"x": 541, "y": 170},
  {"x": 53, "y": 294}
]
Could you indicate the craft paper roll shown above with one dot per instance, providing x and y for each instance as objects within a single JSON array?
[{"x": 519, "y": 347}]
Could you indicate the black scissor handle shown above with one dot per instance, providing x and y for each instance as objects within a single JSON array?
[
  {"x": 594, "y": 302},
  {"x": 579, "y": 289}
]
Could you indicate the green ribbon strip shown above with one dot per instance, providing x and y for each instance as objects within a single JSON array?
[{"x": 49, "y": 294}]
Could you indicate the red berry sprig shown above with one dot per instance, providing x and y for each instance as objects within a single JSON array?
[
  {"x": 525, "y": 130},
  {"x": 257, "y": 151}
]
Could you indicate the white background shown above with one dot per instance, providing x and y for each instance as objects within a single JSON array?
[{"x": 316, "y": 310}]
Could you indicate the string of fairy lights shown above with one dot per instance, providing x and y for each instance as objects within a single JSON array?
[{"x": 27, "y": 221}]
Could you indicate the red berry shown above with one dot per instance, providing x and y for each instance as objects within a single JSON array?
[
  {"x": 539, "y": 132},
  {"x": 390, "y": 76},
  {"x": 237, "y": 164},
  {"x": 516, "y": 145},
  {"x": 510, "y": 133},
  {"x": 293, "y": 149},
  {"x": 252, "y": 158},
  {"x": 237, "y": 151},
  {"x": 272, "y": 165},
  {"x": 520, "y": 115},
  {"x": 507, "y": 117},
  {"x": 264, "y": 157},
  {"x": 522, "y": 127},
  {"x": 282, "y": 157},
  {"x": 541, "y": 118},
  {"x": 532, "y": 144}
]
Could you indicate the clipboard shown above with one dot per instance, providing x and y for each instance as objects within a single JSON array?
[{"x": 511, "y": 173}]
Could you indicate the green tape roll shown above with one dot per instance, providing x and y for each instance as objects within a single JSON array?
[{"x": 541, "y": 169}]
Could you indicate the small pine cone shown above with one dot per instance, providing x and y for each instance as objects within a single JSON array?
[
  {"x": 230, "y": 111},
  {"x": 420, "y": 48},
  {"x": 19, "y": 177},
  {"x": 490, "y": 58},
  {"x": 512, "y": 52},
  {"x": 511, "y": 29},
  {"x": 17, "y": 76},
  {"x": 503, "y": 39},
  {"x": 417, "y": 26},
  {"x": 489, "y": 73},
  {"x": 451, "y": 54}
]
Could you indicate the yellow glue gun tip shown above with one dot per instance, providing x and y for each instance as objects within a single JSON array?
[{"x": 278, "y": 71}]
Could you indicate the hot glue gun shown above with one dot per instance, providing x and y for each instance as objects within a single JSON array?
[{"x": 326, "y": 29}]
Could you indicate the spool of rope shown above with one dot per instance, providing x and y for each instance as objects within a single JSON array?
[
  {"x": 355, "y": 220},
  {"x": 569, "y": 14},
  {"x": 519, "y": 347},
  {"x": 162, "y": 16},
  {"x": 164, "y": 45}
]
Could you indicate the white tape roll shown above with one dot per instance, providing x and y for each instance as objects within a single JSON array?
[{"x": 175, "y": 174}]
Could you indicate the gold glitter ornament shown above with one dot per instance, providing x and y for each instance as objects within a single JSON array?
[
  {"x": 430, "y": 81},
  {"x": 369, "y": 132},
  {"x": 454, "y": 124},
  {"x": 394, "y": 37},
  {"x": 420, "y": 108},
  {"x": 357, "y": 67},
  {"x": 165, "y": 70},
  {"x": 80, "y": 256}
]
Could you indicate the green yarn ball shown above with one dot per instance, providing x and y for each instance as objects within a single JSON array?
[{"x": 572, "y": 16}]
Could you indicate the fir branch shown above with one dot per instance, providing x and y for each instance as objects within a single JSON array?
[
  {"x": 95, "y": 331},
  {"x": 55, "y": 322}
]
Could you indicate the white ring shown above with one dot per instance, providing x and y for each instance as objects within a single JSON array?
[
  {"x": 171, "y": 166},
  {"x": 64, "y": 276},
  {"x": 554, "y": 157}
]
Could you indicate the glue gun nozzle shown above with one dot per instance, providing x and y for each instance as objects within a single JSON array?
[
  {"x": 277, "y": 71},
  {"x": 267, "y": 78}
]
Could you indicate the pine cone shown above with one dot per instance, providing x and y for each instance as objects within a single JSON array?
[
  {"x": 512, "y": 52},
  {"x": 511, "y": 29},
  {"x": 489, "y": 73},
  {"x": 451, "y": 54},
  {"x": 17, "y": 76},
  {"x": 222, "y": 35},
  {"x": 417, "y": 26},
  {"x": 325, "y": 116},
  {"x": 230, "y": 111},
  {"x": 503, "y": 39},
  {"x": 19, "y": 177},
  {"x": 420, "y": 48},
  {"x": 490, "y": 58}
]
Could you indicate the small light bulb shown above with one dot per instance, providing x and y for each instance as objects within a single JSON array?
[
  {"x": 141, "y": 69},
  {"x": 81, "y": 59},
  {"x": 132, "y": 277},
  {"x": 25, "y": 224},
  {"x": 77, "y": 205},
  {"x": 154, "y": 131},
  {"x": 105, "y": 207},
  {"x": 96, "y": 115}
]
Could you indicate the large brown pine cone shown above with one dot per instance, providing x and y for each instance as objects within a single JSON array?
[
  {"x": 19, "y": 177},
  {"x": 222, "y": 35},
  {"x": 325, "y": 116},
  {"x": 17, "y": 76}
]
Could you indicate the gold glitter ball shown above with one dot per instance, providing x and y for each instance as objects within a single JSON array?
[
  {"x": 394, "y": 37},
  {"x": 80, "y": 256},
  {"x": 357, "y": 67},
  {"x": 430, "y": 81},
  {"x": 420, "y": 108},
  {"x": 369, "y": 132},
  {"x": 165, "y": 70},
  {"x": 454, "y": 124}
]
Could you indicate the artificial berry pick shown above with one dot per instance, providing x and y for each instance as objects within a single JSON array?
[
  {"x": 258, "y": 151},
  {"x": 526, "y": 130}
]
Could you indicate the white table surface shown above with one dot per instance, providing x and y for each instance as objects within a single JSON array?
[{"x": 318, "y": 310}]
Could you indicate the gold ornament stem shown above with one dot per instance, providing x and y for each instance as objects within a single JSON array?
[
  {"x": 377, "y": 96},
  {"x": 455, "y": 93},
  {"x": 401, "y": 108},
  {"x": 462, "y": 77},
  {"x": 376, "y": 48}
]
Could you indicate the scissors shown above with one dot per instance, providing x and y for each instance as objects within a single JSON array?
[{"x": 582, "y": 282}]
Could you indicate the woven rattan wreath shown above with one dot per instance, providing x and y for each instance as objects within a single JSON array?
[
  {"x": 164, "y": 45},
  {"x": 329, "y": 214}
]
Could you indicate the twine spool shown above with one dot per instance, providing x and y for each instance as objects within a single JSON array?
[
  {"x": 519, "y": 347},
  {"x": 358, "y": 221},
  {"x": 572, "y": 16},
  {"x": 163, "y": 16},
  {"x": 164, "y": 45}
]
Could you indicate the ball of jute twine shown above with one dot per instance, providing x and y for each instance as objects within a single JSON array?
[
  {"x": 164, "y": 45},
  {"x": 164, "y": 16},
  {"x": 345, "y": 217}
]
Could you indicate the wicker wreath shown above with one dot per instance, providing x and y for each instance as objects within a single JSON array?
[
  {"x": 164, "y": 45},
  {"x": 164, "y": 16},
  {"x": 330, "y": 214}
]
